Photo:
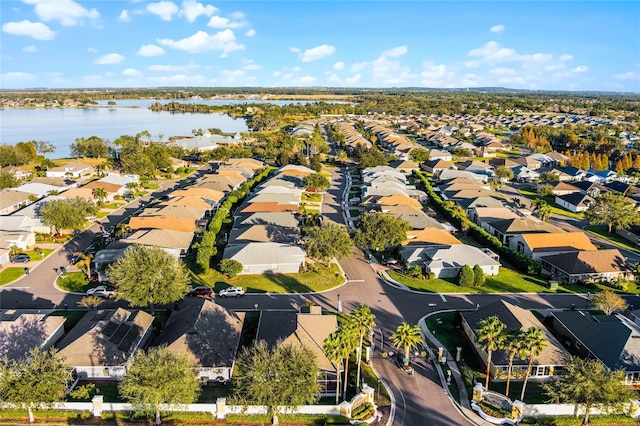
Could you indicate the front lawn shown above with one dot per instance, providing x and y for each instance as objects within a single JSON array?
[
  {"x": 324, "y": 278},
  {"x": 9, "y": 275},
  {"x": 35, "y": 256},
  {"x": 613, "y": 238},
  {"x": 113, "y": 206},
  {"x": 73, "y": 281},
  {"x": 101, "y": 215},
  {"x": 507, "y": 281},
  {"x": 313, "y": 197},
  {"x": 551, "y": 200}
]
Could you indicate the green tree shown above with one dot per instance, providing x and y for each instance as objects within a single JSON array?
[
  {"x": 336, "y": 349},
  {"x": 8, "y": 180},
  {"x": 419, "y": 154},
  {"x": 146, "y": 276},
  {"x": 612, "y": 209},
  {"x": 377, "y": 231},
  {"x": 92, "y": 147},
  {"x": 363, "y": 320},
  {"x": 282, "y": 376},
  {"x": 549, "y": 177},
  {"x": 478, "y": 276},
  {"x": 531, "y": 346},
  {"x": 609, "y": 302},
  {"x": 67, "y": 214},
  {"x": 406, "y": 338},
  {"x": 230, "y": 267},
  {"x": 504, "y": 174},
  {"x": 159, "y": 377},
  {"x": 542, "y": 209},
  {"x": 590, "y": 384},
  {"x": 39, "y": 378},
  {"x": 100, "y": 194},
  {"x": 545, "y": 190},
  {"x": 316, "y": 182},
  {"x": 347, "y": 338},
  {"x": 43, "y": 148},
  {"x": 490, "y": 337},
  {"x": 512, "y": 344},
  {"x": 466, "y": 276},
  {"x": 328, "y": 241}
]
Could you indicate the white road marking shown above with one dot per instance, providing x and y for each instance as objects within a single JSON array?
[
  {"x": 443, "y": 298},
  {"x": 355, "y": 281}
]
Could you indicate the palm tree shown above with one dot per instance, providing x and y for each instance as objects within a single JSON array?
[
  {"x": 513, "y": 342},
  {"x": 84, "y": 262},
  {"x": 100, "y": 194},
  {"x": 363, "y": 320},
  {"x": 407, "y": 337},
  {"x": 347, "y": 335},
  {"x": 336, "y": 351},
  {"x": 533, "y": 342},
  {"x": 132, "y": 186},
  {"x": 542, "y": 209},
  {"x": 490, "y": 337},
  {"x": 121, "y": 229}
]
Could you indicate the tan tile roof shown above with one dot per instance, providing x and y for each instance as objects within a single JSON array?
[
  {"x": 165, "y": 209},
  {"x": 189, "y": 201},
  {"x": 398, "y": 199},
  {"x": 430, "y": 236},
  {"x": 160, "y": 238},
  {"x": 269, "y": 207},
  {"x": 163, "y": 222},
  {"x": 249, "y": 163},
  {"x": 578, "y": 240},
  {"x": 82, "y": 192},
  {"x": 232, "y": 174},
  {"x": 109, "y": 187},
  {"x": 590, "y": 262},
  {"x": 210, "y": 194}
]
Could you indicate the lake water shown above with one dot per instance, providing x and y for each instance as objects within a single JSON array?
[{"x": 61, "y": 126}]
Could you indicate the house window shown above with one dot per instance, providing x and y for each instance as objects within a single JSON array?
[
  {"x": 542, "y": 371},
  {"x": 520, "y": 247},
  {"x": 632, "y": 378}
]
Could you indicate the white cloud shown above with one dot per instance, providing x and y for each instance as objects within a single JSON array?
[
  {"x": 581, "y": 68},
  {"x": 222, "y": 23},
  {"x": 294, "y": 50},
  {"x": 132, "y": 72},
  {"x": 338, "y": 66},
  {"x": 497, "y": 29},
  {"x": 178, "y": 78},
  {"x": 436, "y": 75},
  {"x": 629, "y": 75},
  {"x": 224, "y": 41},
  {"x": 109, "y": 59},
  {"x": 333, "y": 78},
  {"x": 250, "y": 33},
  {"x": 166, "y": 68},
  {"x": 30, "y": 49},
  {"x": 164, "y": 9},
  {"x": 492, "y": 53},
  {"x": 192, "y": 9},
  {"x": 389, "y": 72},
  {"x": 275, "y": 74},
  {"x": 249, "y": 65},
  {"x": 503, "y": 71},
  {"x": 14, "y": 78},
  {"x": 92, "y": 50},
  {"x": 305, "y": 80},
  {"x": 150, "y": 50},
  {"x": 472, "y": 64},
  {"x": 36, "y": 30},
  {"x": 124, "y": 16},
  {"x": 358, "y": 66},
  {"x": 395, "y": 52},
  {"x": 317, "y": 52},
  {"x": 67, "y": 12}
]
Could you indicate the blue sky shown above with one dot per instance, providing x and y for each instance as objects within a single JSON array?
[{"x": 560, "y": 45}]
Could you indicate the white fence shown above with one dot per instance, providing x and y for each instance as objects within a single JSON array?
[{"x": 547, "y": 410}]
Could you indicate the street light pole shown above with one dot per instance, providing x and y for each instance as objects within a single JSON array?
[{"x": 339, "y": 304}]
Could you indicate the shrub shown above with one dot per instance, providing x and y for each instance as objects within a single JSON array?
[
  {"x": 478, "y": 276},
  {"x": 365, "y": 411},
  {"x": 230, "y": 267},
  {"x": 466, "y": 276}
]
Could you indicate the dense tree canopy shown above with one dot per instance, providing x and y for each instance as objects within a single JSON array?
[
  {"x": 282, "y": 376},
  {"x": 68, "y": 213},
  {"x": 378, "y": 231},
  {"x": 612, "y": 209},
  {"x": 609, "y": 302},
  {"x": 328, "y": 241},
  {"x": 316, "y": 182},
  {"x": 147, "y": 276},
  {"x": 92, "y": 147},
  {"x": 158, "y": 377}
]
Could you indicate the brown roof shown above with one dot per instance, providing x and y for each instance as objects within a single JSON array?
[
  {"x": 209, "y": 194},
  {"x": 189, "y": 201},
  {"x": 26, "y": 330},
  {"x": 269, "y": 207},
  {"x": 165, "y": 209},
  {"x": 160, "y": 238},
  {"x": 589, "y": 262},
  {"x": 82, "y": 192},
  {"x": 162, "y": 222},
  {"x": 249, "y": 163},
  {"x": 430, "y": 236},
  {"x": 578, "y": 240},
  {"x": 398, "y": 199},
  {"x": 231, "y": 173},
  {"x": 109, "y": 187}
]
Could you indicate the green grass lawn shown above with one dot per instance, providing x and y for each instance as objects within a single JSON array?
[
  {"x": 10, "y": 274},
  {"x": 314, "y": 197},
  {"x": 602, "y": 232},
  {"x": 507, "y": 281},
  {"x": 35, "y": 256},
  {"x": 53, "y": 239},
  {"x": 550, "y": 199},
  {"x": 73, "y": 281},
  {"x": 103, "y": 214},
  {"x": 324, "y": 278},
  {"x": 151, "y": 186},
  {"x": 113, "y": 206}
]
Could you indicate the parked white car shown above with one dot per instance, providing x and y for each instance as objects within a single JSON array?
[
  {"x": 231, "y": 292},
  {"x": 102, "y": 291}
]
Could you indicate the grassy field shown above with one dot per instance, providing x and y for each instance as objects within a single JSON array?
[
  {"x": 324, "y": 278},
  {"x": 602, "y": 232},
  {"x": 73, "y": 281},
  {"x": 113, "y": 206},
  {"x": 10, "y": 274},
  {"x": 507, "y": 281},
  {"x": 550, "y": 199}
]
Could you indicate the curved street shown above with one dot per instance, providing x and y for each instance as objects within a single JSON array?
[{"x": 420, "y": 399}]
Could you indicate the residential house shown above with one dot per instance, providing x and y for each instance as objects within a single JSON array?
[
  {"x": 601, "y": 176},
  {"x": 10, "y": 201},
  {"x": 563, "y": 188},
  {"x": 529, "y": 162},
  {"x": 405, "y": 166},
  {"x": 106, "y": 257},
  {"x": 207, "y": 333},
  {"x": 549, "y": 363},
  {"x": 569, "y": 174},
  {"x": 268, "y": 207},
  {"x": 416, "y": 217},
  {"x": 282, "y": 219},
  {"x": 446, "y": 175},
  {"x": 484, "y": 215},
  {"x": 589, "y": 188},
  {"x": 505, "y": 229},
  {"x": 39, "y": 190},
  {"x": 550, "y": 243},
  {"x": 525, "y": 174},
  {"x": 81, "y": 192},
  {"x": 112, "y": 189},
  {"x": 220, "y": 183},
  {"x": 436, "y": 154},
  {"x": 476, "y": 167},
  {"x": 611, "y": 339},
  {"x": 433, "y": 166},
  {"x": 74, "y": 170},
  {"x": 306, "y": 328},
  {"x": 176, "y": 243},
  {"x": 574, "y": 202},
  {"x": 16, "y": 172},
  {"x": 446, "y": 261},
  {"x": 267, "y": 258},
  {"x": 166, "y": 209},
  {"x": 101, "y": 344},
  {"x": 263, "y": 234},
  {"x": 24, "y": 330},
  {"x": 172, "y": 223},
  {"x": 19, "y": 231},
  {"x": 587, "y": 266},
  {"x": 437, "y": 236},
  {"x": 206, "y": 142}
]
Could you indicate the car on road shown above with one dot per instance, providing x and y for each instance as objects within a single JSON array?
[
  {"x": 231, "y": 292},
  {"x": 102, "y": 291},
  {"x": 201, "y": 291},
  {"x": 20, "y": 258}
]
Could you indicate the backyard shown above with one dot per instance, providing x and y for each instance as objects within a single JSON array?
[{"x": 550, "y": 199}]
